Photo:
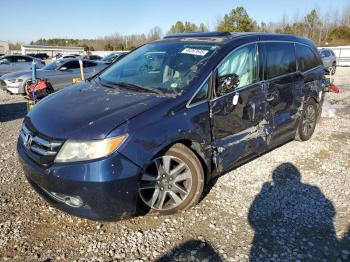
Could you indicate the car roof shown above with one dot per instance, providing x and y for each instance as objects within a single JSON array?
[
  {"x": 223, "y": 38},
  {"x": 77, "y": 59},
  {"x": 21, "y": 56}
]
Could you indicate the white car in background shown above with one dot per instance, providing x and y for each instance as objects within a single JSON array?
[{"x": 62, "y": 57}]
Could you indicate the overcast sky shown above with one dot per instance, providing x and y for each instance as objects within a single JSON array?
[{"x": 26, "y": 20}]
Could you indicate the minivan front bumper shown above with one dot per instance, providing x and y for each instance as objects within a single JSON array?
[{"x": 104, "y": 189}]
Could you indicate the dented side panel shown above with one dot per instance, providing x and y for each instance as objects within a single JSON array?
[{"x": 240, "y": 130}]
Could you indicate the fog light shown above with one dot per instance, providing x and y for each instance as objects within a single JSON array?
[{"x": 73, "y": 201}]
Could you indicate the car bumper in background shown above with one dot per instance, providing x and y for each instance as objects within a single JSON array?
[{"x": 102, "y": 190}]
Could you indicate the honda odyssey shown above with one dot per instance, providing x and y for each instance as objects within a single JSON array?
[{"x": 147, "y": 133}]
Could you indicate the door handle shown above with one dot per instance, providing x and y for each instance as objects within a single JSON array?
[{"x": 235, "y": 99}]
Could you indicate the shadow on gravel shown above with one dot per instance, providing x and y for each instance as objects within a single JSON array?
[
  {"x": 293, "y": 220},
  {"x": 9, "y": 112},
  {"x": 192, "y": 250}
]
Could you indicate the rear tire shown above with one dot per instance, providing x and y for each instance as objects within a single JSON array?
[
  {"x": 333, "y": 69},
  {"x": 171, "y": 182},
  {"x": 307, "y": 122}
]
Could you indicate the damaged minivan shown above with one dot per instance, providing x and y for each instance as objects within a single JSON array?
[{"x": 147, "y": 133}]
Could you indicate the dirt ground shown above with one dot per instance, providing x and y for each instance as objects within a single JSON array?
[{"x": 292, "y": 203}]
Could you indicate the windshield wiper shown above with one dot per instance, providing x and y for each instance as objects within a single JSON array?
[
  {"x": 138, "y": 87},
  {"x": 129, "y": 86}
]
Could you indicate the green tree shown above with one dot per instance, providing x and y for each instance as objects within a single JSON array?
[
  {"x": 237, "y": 20},
  {"x": 340, "y": 33},
  {"x": 190, "y": 27},
  {"x": 182, "y": 27},
  {"x": 179, "y": 27},
  {"x": 312, "y": 23},
  {"x": 202, "y": 28}
]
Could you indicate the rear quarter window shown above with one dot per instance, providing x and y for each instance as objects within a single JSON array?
[
  {"x": 306, "y": 58},
  {"x": 280, "y": 59}
]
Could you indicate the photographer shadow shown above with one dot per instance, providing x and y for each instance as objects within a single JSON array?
[{"x": 292, "y": 220}]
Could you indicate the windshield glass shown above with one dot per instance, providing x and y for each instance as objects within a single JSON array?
[
  {"x": 52, "y": 66},
  {"x": 169, "y": 67}
]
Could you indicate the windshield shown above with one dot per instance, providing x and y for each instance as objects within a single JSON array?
[
  {"x": 52, "y": 66},
  {"x": 169, "y": 67}
]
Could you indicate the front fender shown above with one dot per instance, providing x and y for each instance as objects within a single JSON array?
[{"x": 159, "y": 131}]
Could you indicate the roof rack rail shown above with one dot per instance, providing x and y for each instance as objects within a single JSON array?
[{"x": 198, "y": 34}]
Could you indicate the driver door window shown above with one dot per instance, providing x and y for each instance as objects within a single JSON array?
[
  {"x": 71, "y": 65},
  {"x": 240, "y": 69}
]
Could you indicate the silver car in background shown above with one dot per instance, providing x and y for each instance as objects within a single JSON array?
[
  {"x": 13, "y": 63},
  {"x": 329, "y": 59},
  {"x": 59, "y": 73}
]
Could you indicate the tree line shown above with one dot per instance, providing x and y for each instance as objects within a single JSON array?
[{"x": 333, "y": 28}]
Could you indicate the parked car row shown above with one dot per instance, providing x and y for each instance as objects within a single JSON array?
[
  {"x": 42, "y": 56},
  {"x": 148, "y": 132},
  {"x": 13, "y": 63},
  {"x": 59, "y": 73}
]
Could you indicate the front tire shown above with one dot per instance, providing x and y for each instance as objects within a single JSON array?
[
  {"x": 171, "y": 182},
  {"x": 307, "y": 122},
  {"x": 27, "y": 84}
]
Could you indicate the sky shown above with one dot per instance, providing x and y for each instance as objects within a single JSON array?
[{"x": 26, "y": 20}]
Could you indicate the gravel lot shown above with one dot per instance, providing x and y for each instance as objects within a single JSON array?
[{"x": 292, "y": 203}]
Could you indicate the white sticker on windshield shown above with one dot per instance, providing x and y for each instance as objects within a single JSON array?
[{"x": 193, "y": 51}]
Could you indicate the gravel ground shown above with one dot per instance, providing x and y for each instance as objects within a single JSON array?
[{"x": 292, "y": 203}]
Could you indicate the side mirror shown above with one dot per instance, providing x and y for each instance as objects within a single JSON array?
[
  {"x": 63, "y": 68},
  {"x": 227, "y": 83}
]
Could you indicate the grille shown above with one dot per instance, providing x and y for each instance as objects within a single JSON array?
[{"x": 39, "y": 148}]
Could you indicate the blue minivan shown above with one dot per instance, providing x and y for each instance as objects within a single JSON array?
[{"x": 147, "y": 133}]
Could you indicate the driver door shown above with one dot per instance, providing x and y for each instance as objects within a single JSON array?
[
  {"x": 63, "y": 77},
  {"x": 237, "y": 114}
]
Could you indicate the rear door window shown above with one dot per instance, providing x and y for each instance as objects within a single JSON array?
[
  {"x": 280, "y": 59},
  {"x": 306, "y": 58},
  {"x": 22, "y": 59}
]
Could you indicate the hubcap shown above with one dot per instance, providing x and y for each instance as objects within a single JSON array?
[
  {"x": 309, "y": 120},
  {"x": 166, "y": 183}
]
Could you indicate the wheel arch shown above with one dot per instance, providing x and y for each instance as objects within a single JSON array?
[{"x": 196, "y": 148}]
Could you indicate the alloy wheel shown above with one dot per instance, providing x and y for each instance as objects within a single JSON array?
[
  {"x": 309, "y": 120},
  {"x": 166, "y": 183}
]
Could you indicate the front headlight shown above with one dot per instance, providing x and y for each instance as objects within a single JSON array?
[{"x": 73, "y": 150}]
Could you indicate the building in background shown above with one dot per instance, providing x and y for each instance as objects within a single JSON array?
[
  {"x": 51, "y": 50},
  {"x": 4, "y": 47}
]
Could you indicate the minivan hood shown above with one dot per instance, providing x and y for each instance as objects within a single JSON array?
[{"x": 88, "y": 111}]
